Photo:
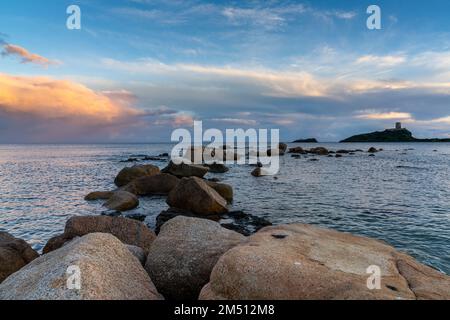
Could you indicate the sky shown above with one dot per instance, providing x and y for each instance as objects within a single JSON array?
[{"x": 139, "y": 69}]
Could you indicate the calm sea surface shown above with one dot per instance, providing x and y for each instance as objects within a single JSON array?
[{"x": 401, "y": 196}]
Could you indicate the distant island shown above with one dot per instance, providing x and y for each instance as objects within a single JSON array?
[
  {"x": 397, "y": 134},
  {"x": 310, "y": 140}
]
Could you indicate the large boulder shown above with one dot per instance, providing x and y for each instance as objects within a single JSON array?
[
  {"x": 160, "y": 184},
  {"x": 128, "y": 174},
  {"x": 122, "y": 201},
  {"x": 195, "y": 195},
  {"x": 127, "y": 230},
  {"x": 304, "y": 262},
  {"x": 182, "y": 257},
  {"x": 297, "y": 150},
  {"x": 107, "y": 269},
  {"x": 225, "y": 190},
  {"x": 14, "y": 254},
  {"x": 184, "y": 170}
]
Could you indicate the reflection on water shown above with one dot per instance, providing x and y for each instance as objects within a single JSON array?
[{"x": 401, "y": 197}]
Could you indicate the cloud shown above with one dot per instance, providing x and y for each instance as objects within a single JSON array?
[
  {"x": 381, "y": 61},
  {"x": 26, "y": 56},
  {"x": 60, "y": 99},
  {"x": 385, "y": 116},
  {"x": 245, "y": 122}
]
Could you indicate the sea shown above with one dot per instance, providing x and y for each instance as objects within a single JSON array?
[{"x": 400, "y": 196}]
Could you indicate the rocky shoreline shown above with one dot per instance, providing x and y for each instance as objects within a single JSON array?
[{"x": 201, "y": 250}]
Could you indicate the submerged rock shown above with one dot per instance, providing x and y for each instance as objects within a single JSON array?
[
  {"x": 184, "y": 170},
  {"x": 126, "y": 175},
  {"x": 127, "y": 230},
  {"x": 195, "y": 195},
  {"x": 183, "y": 255},
  {"x": 107, "y": 268},
  {"x": 159, "y": 184},
  {"x": 122, "y": 201},
  {"x": 14, "y": 254},
  {"x": 297, "y": 262},
  {"x": 372, "y": 150}
]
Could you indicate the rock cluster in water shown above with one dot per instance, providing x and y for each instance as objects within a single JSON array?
[{"x": 202, "y": 250}]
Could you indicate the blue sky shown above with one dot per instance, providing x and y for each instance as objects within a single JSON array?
[{"x": 140, "y": 68}]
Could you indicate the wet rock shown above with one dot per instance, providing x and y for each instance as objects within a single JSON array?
[
  {"x": 108, "y": 270},
  {"x": 184, "y": 253},
  {"x": 296, "y": 156},
  {"x": 159, "y": 184},
  {"x": 225, "y": 190},
  {"x": 372, "y": 150},
  {"x": 338, "y": 155},
  {"x": 298, "y": 262},
  {"x": 282, "y": 148},
  {"x": 217, "y": 168},
  {"x": 122, "y": 201},
  {"x": 14, "y": 254},
  {"x": 298, "y": 150},
  {"x": 321, "y": 151},
  {"x": 343, "y": 151},
  {"x": 130, "y": 160},
  {"x": 239, "y": 221},
  {"x": 126, "y": 175},
  {"x": 136, "y": 216},
  {"x": 99, "y": 195},
  {"x": 243, "y": 223},
  {"x": 127, "y": 230},
  {"x": 195, "y": 195},
  {"x": 184, "y": 170}
]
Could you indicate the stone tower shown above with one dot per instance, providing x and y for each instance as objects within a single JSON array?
[{"x": 398, "y": 126}]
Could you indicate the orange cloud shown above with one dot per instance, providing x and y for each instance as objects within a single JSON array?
[
  {"x": 26, "y": 56},
  {"x": 55, "y": 99}
]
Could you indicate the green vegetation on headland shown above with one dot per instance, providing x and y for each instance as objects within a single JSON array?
[
  {"x": 390, "y": 135},
  {"x": 310, "y": 140}
]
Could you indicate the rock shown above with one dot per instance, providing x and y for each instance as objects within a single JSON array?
[
  {"x": 184, "y": 253},
  {"x": 296, "y": 156},
  {"x": 321, "y": 151},
  {"x": 298, "y": 262},
  {"x": 257, "y": 172},
  {"x": 184, "y": 170},
  {"x": 371, "y": 155},
  {"x": 282, "y": 148},
  {"x": 298, "y": 150},
  {"x": 225, "y": 190},
  {"x": 217, "y": 168},
  {"x": 126, "y": 230},
  {"x": 159, "y": 184},
  {"x": 136, "y": 216},
  {"x": 111, "y": 213},
  {"x": 130, "y": 160},
  {"x": 313, "y": 159},
  {"x": 126, "y": 175},
  {"x": 372, "y": 150},
  {"x": 122, "y": 201},
  {"x": 243, "y": 223},
  {"x": 107, "y": 268},
  {"x": 164, "y": 155},
  {"x": 343, "y": 151},
  {"x": 195, "y": 195},
  {"x": 139, "y": 253},
  {"x": 14, "y": 254},
  {"x": 338, "y": 155},
  {"x": 239, "y": 221},
  {"x": 99, "y": 195}
]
